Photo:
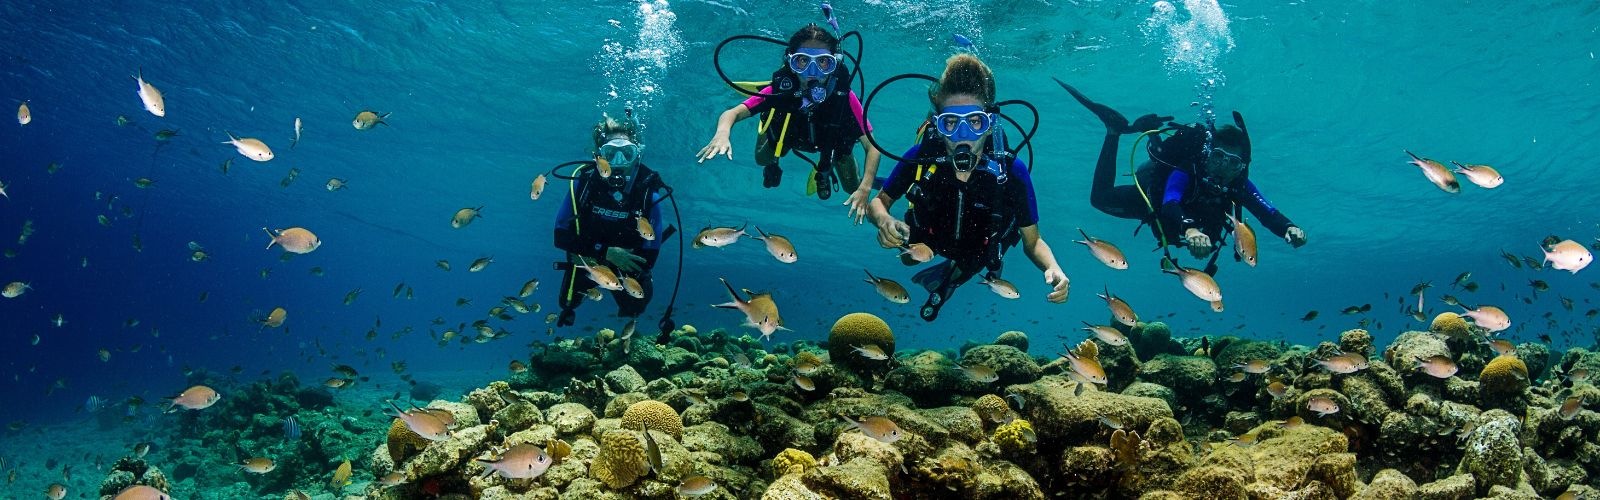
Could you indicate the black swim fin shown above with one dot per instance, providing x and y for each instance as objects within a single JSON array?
[
  {"x": 1113, "y": 120},
  {"x": 934, "y": 276}
]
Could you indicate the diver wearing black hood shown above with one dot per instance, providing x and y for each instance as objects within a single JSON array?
[
  {"x": 1196, "y": 178},
  {"x": 971, "y": 199},
  {"x": 808, "y": 106}
]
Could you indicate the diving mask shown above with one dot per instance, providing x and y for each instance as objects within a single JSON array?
[
  {"x": 813, "y": 63},
  {"x": 1223, "y": 165},
  {"x": 620, "y": 152},
  {"x": 963, "y": 123}
]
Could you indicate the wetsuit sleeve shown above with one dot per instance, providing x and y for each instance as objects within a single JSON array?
[
  {"x": 860, "y": 114},
  {"x": 566, "y": 233},
  {"x": 1028, "y": 212},
  {"x": 1118, "y": 201},
  {"x": 759, "y": 103},
  {"x": 1172, "y": 200},
  {"x": 902, "y": 176},
  {"x": 1269, "y": 215}
]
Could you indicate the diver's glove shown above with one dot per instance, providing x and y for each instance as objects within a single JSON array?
[{"x": 770, "y": 175}]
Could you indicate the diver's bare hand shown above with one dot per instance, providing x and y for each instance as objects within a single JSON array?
[
  {"x": 1199, "y": 243},
  {"x": 1057, "y": 279},
  {"x": 1295, "y": 236},
  {"x": 858, "y": 202},
  {"x": 719, "y": 146},
  {"x": 893, "y": 232}
]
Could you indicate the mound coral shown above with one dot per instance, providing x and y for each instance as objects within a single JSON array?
[
  {"x": 1013, "y": 338},
  {"x": 621, "y": 460},
  {"x": 1451, "y": 325},
  {"x": 1504, "y": 378},
  {"x": 792, "y": 461},
  {"x": 1015, "y": 438},
  {"x": 402, "y": 442},
  {"x": 858, "y": 329},
  {"x": 990, "y": 408},
  {"x": 655, "y": 414}
]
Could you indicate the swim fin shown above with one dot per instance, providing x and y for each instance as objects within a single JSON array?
[
  {"x": 934, "y": 276},
  {"x": 1113, "y": 120}
]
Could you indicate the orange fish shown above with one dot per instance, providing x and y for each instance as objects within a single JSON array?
[{"x": 194, "y": 398}]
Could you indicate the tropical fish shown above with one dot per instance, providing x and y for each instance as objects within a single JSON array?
[
  {"x": 1322, "y": 406},
  {"x": 1256, "y": 366},
  {"x": 1085, "y": 362},
  {"x": 760, "y": 312},
  {"x": 153, "y": 102},
  {"x": 24, "y": 115},
  {"x": 804, "y": 382},
  {"x": 366, "y": 119},
  {"x": 14, "y": 289},
  {"x": 1277, "y": 389},
  {"x": 275, "y": 318},
  {"x": 480, "y": 264},
  {"x": 351, "y": 296},
  {"x": 1437, "y": 366},
  {"x": 1344, "y": 363},
  {"x": 1106, "y": 334},
  {"x": 602, "y": 276},
  {"x": 1568, "y": 255},
  {"x": 879, "y": 428},
  {"x": 442, "y": 264},
  {"x": 1490, "y": 318},
  {"x": 258, "y": 465},
  {"x": 1570, "y": 408},
  {"x": 1119, "y": 309},
  {"x": 632, "y": 287},
  {"x": 335, "y": 184},
  {"x": 294, "y": 240},
  {"x": 889, "y": 289},
  {"x": 1104, "y": 251},
  {"x": 55, "y": 491},
  {"x": 194, "y": 398},
  {"x": 1001, "y": 287},
  {"x": 528, "y": 288},
  {"x": 919, "y": 252},
  {"x": 341, "y": 476},
  {"x": 647, "y": 231},
  {"x": 870, "y": 351},
  {"x": 392, "y": 479},
  {"x": 141, "y": 492},
  {"x": 425, "y": 424},
  {"x": 777, "y": 245},
  {"x": 465, "y": 216},
  {"x": 251, "y": 148},
  {"x": 652, "y": 452},
  {"x": 538, "y": 187},
  {"x": 1244, "y": 241},
  {"x": 296, "y": 140},
  {"x": 523, "y": 461},
  {"x": 718, "y": 237},
  {"x": 1310, "y": 315},
  {"x": 1436, "y": 173},
  {"x": 1483, "y": 175},
  {"x": 961, "y": 41},
  {"x": 1199, "y": 283},
  {"x": 980, "y": 373},
  {"x": 698, "y": 485}
]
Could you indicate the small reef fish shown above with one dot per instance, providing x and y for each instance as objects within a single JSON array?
[
  {"x": 523, "y": 461},
  {"x": 15, "y": 289},
  {"x": 919, "y": 252},
  {"x": 602, "y": 276},
  {"x": 1199, "y": 283},
  {"x": 56, "y": 491},
  {"x": 870, "y": 351},
  {"x": 1085, "y": 361},
  {"x": 258, "y": 465},
  {"x": 1483, "y": 175},
  {"x": 194, "y": 398},
  {"x": 1104, "y": 251},
  {"x": 760, "y": 312},
  {"x": 367, "y": 119},
  {"x": 250, "y": 147},
  {"x": 1437, "y": 366},
  {"x": 1277, "y": 389},
  {"x": 1244, "y": 241},
  {"x": 480, "y": 264},
  {"x": 392, "y": 479},
  {"x": 425, "y": 424},
  {"x": 1568, "y": 255},
  {"x": 1322, "y": 406},
  {"x": 141, "y": 492},
  {"x": 442, "y": 264},
  {"x": 652, "y": 452},
  {"x": 341, "y": 476},
  {"x": 335, "y": 184},
  {"x": 1256, "y": 366},
  {"x": 1106, "y": 334},
  {"x": 528, "y": 288},
  {"x": 1120, "y": 309},
  {"x": 1001, "y": 287},
  {"x": 1436, "y": 173},
  {"x": 536, "y": 189},
  {"x": 696, "y": 486},
  {"x": 1500, "y": 347},
  {"x": 879, "y": 428},
  {"x": 980, "y": 373},
  {"x": 1570, "y": 408},
  {"x": 24, "y": 115},
  {"x": 275, "y": 318},
  {"x": 777, "y": 245},
  {"x": 718, "y": 237},
  {"x": 295, "y": 240},
  {"x": 1344, "y": 363},
  {"x": 297, "y": 129},
  {"x": 153, "y": 102},
  {"x": 632, "y": 287},
  {"x": 889, "y": 289},
  {"x": 646, "y": 230},
  {"x": 1490, "y": 318},
  {"x": 805, "y": 383},
  {"x": 465, "y": 216}
]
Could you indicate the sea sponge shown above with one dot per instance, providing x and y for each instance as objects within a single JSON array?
[
  {"x": 1504, "y": 378},
  {"x": 658, "y": 415},
  {"x": 991, "y": 408},
  {"x": 621, "y": 460},
  {"x": 1013, "y": 338},
  {"x": 1015, "y": 438},
  {"x": 858, "y": 329},
  {"x": 792, "y": 461},
  {"x": 402, "y": 442},
  {"x": 1450, "y": 324}
]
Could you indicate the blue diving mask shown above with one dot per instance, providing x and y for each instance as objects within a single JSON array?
[
  {"x": 813, "y": 64},
  {"x": 621, "y": 152},
  {"x": 963, "y": 123}
]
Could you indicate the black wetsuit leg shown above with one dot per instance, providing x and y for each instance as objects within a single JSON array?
[
  {"x": 1118, "y": 201},
  {"x": 961, "y": 272},
  {"x": 766, "y": 156},
  {"x": 629, "y": 307},
  {"x": 574, "y": 290}
]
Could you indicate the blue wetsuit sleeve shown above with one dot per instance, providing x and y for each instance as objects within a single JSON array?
[
  {"x": 1029, "y": 214},
  {"x": 902, "y": 176},
  {"x": 1172, "y": 200},
  {"x": 1258, "y": 205}
]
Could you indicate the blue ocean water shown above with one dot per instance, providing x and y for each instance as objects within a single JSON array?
[{"x": 486, "y": 95}]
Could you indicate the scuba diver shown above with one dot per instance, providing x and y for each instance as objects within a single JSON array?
[
  {"x": 607, "y": 224},
  {"x": 971, "y": 198},
  {"x": 1196, "y": 178},
  {"x": 808, "y": 106}
]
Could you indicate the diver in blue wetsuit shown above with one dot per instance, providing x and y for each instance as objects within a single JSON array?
[
  {"x": 599, "y": 220},
  {"x": 1197, "y": 175},
  {"x": 971, "y": 199}
]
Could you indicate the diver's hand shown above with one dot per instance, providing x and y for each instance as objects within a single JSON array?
[
  {"x": 859, "y": 201},
  {"x": 1199, "y": 243},
  {"x": 892, "y": 232},
  {"x": 719, "y": 146},
  {"x": 1295, "y": 236},
  {"x": 1057, "y": 279},
  {"x": 623, "y": 260},
  {"x": 1147, "y": 122}
]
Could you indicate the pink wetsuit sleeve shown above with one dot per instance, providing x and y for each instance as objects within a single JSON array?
[
  {"x": 755, "y": 100},
  {"x": 861, "y": 118}
]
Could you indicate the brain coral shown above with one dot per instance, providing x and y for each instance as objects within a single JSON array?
[
  {"x": 402, "y": 442},
  {"x": 858, "y": 329},
  {"x": 656, "y": 414},
  {"x": 792, "y": 461},
  {"x": 1504, "y": 376},
  {"x": 1015, "y": 438},
  {"x": 1450, "y": 324},
  {"x": 1013, "y": 338},
  {"x": 990, "y": 408},
  {"x": 621, "y": 460}
]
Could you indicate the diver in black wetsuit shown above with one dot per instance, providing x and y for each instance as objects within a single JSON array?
[
  {"x": 598, "y": 223},
  {"x": 1195, "y": 178},
  {"x": 972, "y": 200}
]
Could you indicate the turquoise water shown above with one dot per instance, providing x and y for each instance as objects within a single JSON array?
[{"x": 486, "y": 95}]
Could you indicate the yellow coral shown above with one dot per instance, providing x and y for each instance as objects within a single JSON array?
[
  {"x": 1505, "y": 374},
  {"x": 792, "y": 461},
  {"x": 604, "y": 336},
  {"x": 621, "y": 460},
  {"x": 990, "y": 408},
  {"x": 658, "y": 415},
  {"x": 1015, "y": 438},
  {"x": 402, "y": 442},
  {"x": 1451, "y": 325},
  {"x": 1013, "y": 338},
  {"x": 858, "y": 329}
]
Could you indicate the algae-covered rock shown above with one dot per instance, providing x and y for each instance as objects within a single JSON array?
[
  {"x": 1212, "y": 482},
  {"x": 518, "y": 416},
  {"x": 1058, "y": 414},
  {"x": 1284, "y": 457},
  {"x": 570, "y": 418},
  {"x": 1013, "y": 338},
  {"x": 1357, "y": 341},
  {"x": 1149, "y": 390},
  {"x": 1188, "y": 376},
  {"x": 488, "y": 400},
  {"x": 1387, "y": 484},
  {"x": 1151, "y": 339},
  {"x": 443, "y": 456},
  {"x": 1012, "y": 365},
  {"x": 860, "y": 478},
  {"x": 928, "y": 377},
  {"x": 851, "y": 445},
  {"x": 960, "y": 422},
  {"x": 625, "y": 379},
  {"x": 718, "y": 441},
  {"x": 1493, "y": 454},
  {"x": 1457, "y": 487},
  {"x": 1241, "y": 351},
  {"x": 1537, "y": 356}
]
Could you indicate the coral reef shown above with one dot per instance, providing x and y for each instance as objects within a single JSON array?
[
  {"x": 855, "y": 330},
  {"x": 653, "y": 415},
  {"x": 1013, "y": 338},
  {"x": 1450, "y": 324}
]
